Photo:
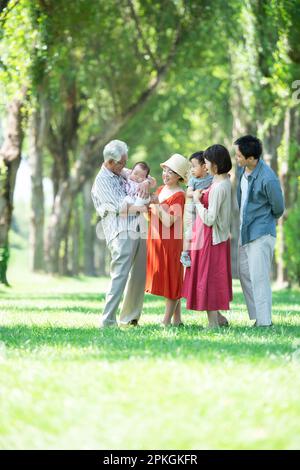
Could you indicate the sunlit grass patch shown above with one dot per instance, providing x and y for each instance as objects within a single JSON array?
[{"x": 64, "y": 383}]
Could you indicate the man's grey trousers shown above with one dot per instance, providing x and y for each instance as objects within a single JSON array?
[{"x": 254, "y": 265}]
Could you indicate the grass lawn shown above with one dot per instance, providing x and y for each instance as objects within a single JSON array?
[{"x": 64, "y": 384}]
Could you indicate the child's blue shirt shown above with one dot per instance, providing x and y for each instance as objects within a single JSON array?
[{"x": 200, "y": 183}]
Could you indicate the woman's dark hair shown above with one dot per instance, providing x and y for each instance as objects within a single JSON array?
[
  {"x": 219, "y": 155},
  {"x": 249, "y": 146},
  {"x": 198, "y": 156},
  {"x": 144, "y": 166}
]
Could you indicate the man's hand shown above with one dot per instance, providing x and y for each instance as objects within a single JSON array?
[
  {"x": 133, "y": 210},
  {"x": 143, "y": 190},
  {"x": 154, "y": 199},
  {"x": 152, "y": 181}
]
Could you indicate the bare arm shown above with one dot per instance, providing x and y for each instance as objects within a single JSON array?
[
  {"x": 144, "y": 189},
  {"x": 126, "y": 173},
  {"x": 189, "y": 193},
  {"x": 166, "y": 214},
  {"x": 131, "y": 209}
]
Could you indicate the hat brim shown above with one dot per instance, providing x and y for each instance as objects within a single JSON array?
[{"x": 162, "y": 165}]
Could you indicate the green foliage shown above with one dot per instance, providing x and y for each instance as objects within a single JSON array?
[
  {"x": 230, "y": 67},
  {"x": 4, "y": 248},
  {"x": 16, "y": 44},
  {"x": 4, "y": 257},
  {"x": 3, "y": 176},
  {"x": 181, "y": 117},
  {"x": 291, "y": 231}
]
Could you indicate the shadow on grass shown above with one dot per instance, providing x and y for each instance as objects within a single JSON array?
[
  {"x": 150, "y": 341},
  {"x": 289, "y": 297},
  {"x": 13, "y": 304},
  {"x": 75, "y": 297},
  {"x": 279, "y": 298},
  {"x": 58, "y": 309},
  {"x": 286, "y": 297},
  {"x": 61, "y": 296},
  {"x": 286, "y": 301}
]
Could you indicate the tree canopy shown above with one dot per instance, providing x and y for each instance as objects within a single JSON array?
[{"x": 165, "y": 75}]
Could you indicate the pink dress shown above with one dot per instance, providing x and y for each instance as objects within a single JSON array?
[{"x": 207, "y": 283}]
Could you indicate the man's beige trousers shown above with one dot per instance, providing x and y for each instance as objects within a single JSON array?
[{"x": 127, "y": 272}]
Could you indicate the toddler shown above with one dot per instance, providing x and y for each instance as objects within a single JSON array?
[{"x": 199, "y": 180}]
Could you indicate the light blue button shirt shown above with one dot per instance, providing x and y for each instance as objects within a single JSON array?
[{"x": 263, "y": 205}]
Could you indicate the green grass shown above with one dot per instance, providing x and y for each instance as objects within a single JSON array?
[{"x": 65, "y": 384}]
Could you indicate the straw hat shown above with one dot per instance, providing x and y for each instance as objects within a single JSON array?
[{"x": 179, "y": 164}]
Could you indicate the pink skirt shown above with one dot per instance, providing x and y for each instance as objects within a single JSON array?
[{"x": 207, "y": 283}]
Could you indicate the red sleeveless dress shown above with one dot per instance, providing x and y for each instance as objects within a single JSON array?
[{"x": 164, "y": 246}]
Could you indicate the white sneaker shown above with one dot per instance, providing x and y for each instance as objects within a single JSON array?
[{"x": 185, "y": 259}]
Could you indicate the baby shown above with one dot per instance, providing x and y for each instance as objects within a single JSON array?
[
  {"x": 138, "y": 174},
  {"x": 199, "y": 180}
]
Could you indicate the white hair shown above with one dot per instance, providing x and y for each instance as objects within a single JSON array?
[{"x": 114, "y": 150}]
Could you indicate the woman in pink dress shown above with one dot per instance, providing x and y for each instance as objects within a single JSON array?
[{"x": 208, "y": 282}]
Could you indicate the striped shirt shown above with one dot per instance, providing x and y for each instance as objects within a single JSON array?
[{"x": 108, "y": 194}]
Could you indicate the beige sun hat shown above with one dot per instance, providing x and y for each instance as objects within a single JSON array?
[{"x": 179, "y": 164}]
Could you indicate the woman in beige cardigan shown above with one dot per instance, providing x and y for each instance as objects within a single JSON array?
[{"x": 208, "y": 282}]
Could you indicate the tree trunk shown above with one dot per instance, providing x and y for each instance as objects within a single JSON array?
[
  {"x": 239, "y": 128},
  {"x": 75, "y": 258},
  {"x": 101, "y": 257},
  {"x": 89, "y": 231},
  {"x": 10, "y": 157},
  {"x": 58, "y": 227},
  {"x": 37, "y": 192},
  {"x": 64, "y": 268},
  {"x": 271, "y": 141},
  {"x": 292, "y": 183},
  {"x": 282, "y": 278}
]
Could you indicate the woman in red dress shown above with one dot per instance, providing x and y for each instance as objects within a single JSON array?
[
  {"x": 164, "y": 246},
  {"x": 208, "y": 282}
]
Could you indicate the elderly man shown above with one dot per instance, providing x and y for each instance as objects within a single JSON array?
[{"x": 125, "y": 233}]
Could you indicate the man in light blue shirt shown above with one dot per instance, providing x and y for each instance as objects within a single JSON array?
[{"x": 261, "y": 203}]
